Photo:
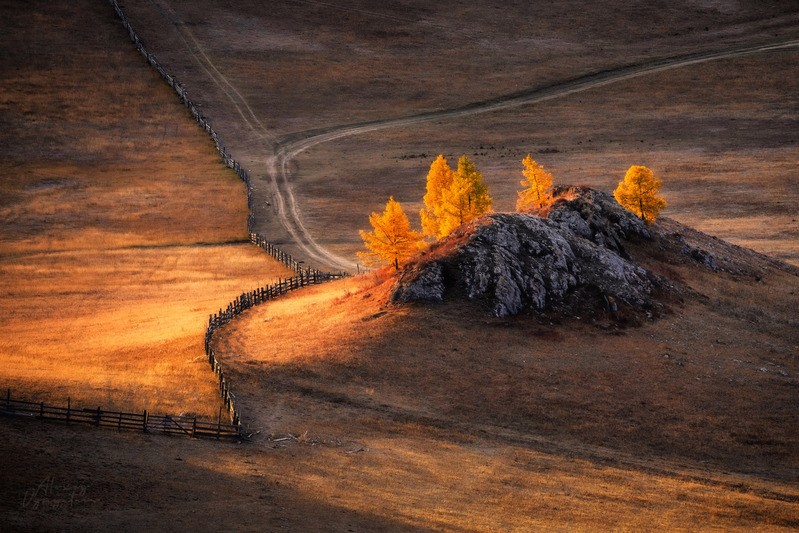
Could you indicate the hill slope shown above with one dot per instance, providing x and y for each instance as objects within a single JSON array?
[{"x": 705, "y": 391}]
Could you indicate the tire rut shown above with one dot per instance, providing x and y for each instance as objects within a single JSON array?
[{"x": 289, "y": 147}]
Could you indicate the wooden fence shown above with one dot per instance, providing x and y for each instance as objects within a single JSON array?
[
  {"x": 144, "y": 421},
  {"x": 280, "y": 255},
  {"x": 305, "y": 276},
  {"x": 239, "y": 305},
  {"x": 252, "y": 298},
  {"x": 192, "y": 107}
]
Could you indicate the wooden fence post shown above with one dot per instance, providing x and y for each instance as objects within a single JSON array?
[
  {"x": 246, "y": 300},
  {"x": 99, "y": 414},
  {"x": 144, "y": 423},
  {"x": 69, "y": 402},
  {"x": 8, "y": 399}
]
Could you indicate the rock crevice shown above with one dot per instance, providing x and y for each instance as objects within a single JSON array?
[{"x": 516, "y": 262}]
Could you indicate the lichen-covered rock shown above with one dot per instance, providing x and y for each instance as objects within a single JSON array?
[
  {"x": 597, "y": 216},
  {"x": 700, "y": 256},
  {"x": 428, "y": 286},
  {"x": 516, "y": 262}
]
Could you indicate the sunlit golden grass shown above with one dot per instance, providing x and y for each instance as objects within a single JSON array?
[
  {"x": 116, "y": 223},
  {"x": 472, "y": 423},
  {"x": 121, "y": 328},
  {"x": 68, "y": 206}
]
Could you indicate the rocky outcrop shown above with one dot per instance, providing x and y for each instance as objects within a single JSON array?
[{"x": 516, "y": 262}]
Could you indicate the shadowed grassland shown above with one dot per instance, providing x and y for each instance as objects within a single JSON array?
[
  {"x": 699, "y": 397},
  {"x": 720, "y": 134},
  {"x": 454, "y": 419}
]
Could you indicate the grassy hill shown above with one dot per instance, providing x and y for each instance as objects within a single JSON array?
[
  {"x": 371, "y": 416},
  {"x": 700, "y": 398}
]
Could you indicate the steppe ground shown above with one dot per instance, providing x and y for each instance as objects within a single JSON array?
[
  {"x": 721, "y": 135},
  {"x": 121, "y": 230},
  {"x": 551, "y": 433}
]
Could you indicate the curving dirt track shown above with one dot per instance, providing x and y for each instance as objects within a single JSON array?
[
  {"x": 289, "y": 148},
  {"x": 301, "y": 75},
  {"x": 199, "y": 54}
]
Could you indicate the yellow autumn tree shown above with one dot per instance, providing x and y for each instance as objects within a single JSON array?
[
  {"x": 464, "y": 200},
  {"x": 535, "y": 194},
  {"x": 638, "y": 192},
  {"x": 439, "y": 179},
  {"x": 391, "y": 241}
]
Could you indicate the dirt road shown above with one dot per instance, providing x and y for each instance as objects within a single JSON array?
[{"x": 289, "y": 148}]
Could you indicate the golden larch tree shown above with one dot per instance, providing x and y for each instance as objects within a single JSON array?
[
  {"x": 391, "y": 241},
  {"x": 439, "y": 179},
  {"x": 464, "y": 200},
  {"x": 638, "y": 192},
  {"x": 537, "y": 183}
]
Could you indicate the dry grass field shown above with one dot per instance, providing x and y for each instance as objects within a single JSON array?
[
  {"x": 721, "y": 134},
  {"x": 121, "y": 231},
  {"x": 303, "y": 65},
  {"x": 474, "y": 423},
  {"x": 370, "y": 417},
  {"x": 119, "y": 223}
]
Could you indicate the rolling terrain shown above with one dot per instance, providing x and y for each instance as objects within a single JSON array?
[
  {"x": 296, "y": 89},
  {"x": 122, "y": 231}
]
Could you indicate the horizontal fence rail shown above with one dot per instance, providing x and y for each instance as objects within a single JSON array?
[
  {"x": 120, "y": 420},
  {"x": 252, "y": 298},
  {"x": 280, "y": 255},
  {"x": 305, "y": 276},
  {"x": 246, "y": 301}
]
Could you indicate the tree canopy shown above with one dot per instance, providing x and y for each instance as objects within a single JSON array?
[
  {"x": 535, "y": 194},
  {"x": 637, "y": 192},
  {"x": 391, "y": 241},
  {"x": 439, "y": 179},
  {"x": 453, "y": 198}
]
